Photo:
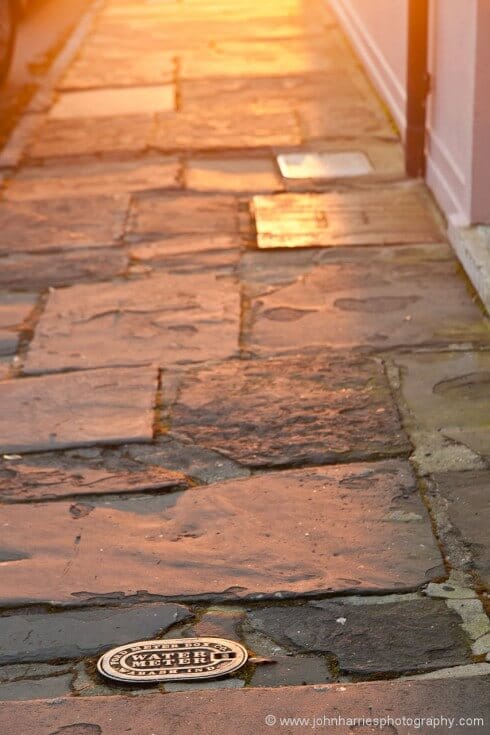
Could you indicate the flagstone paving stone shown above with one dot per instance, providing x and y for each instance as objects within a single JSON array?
[
  {"x": 447, "y": 400},
  {"x": 375, "y": 216},
  {"x": 213, "y": 711},
  {"x": 364, "y": 304},
  {"x": 96, "y": 103},
  {"x": 43, "y": 270},
  {"x": 356, "y": 527},
  {"x": 163, "y": 319},
  {"x": 93, "y": 177},
  {"x": 189, "y": 252},
  {"x": 290, "y": 411},
  {"x": 41, "y": 225},
  {"x": 419, "y": 635},
  {"x": 113, "y": 67},
  {"x": 232, "y": 174},
  {"x": 72, "y": 634},
  {"x": 14, "y": 310},
  {"x": 468, "y": 507},
  {"x": 77, "y": 409},
  {"x": 86, "y": 472}
]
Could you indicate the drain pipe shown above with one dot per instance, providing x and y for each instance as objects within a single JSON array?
[{"x": 418, "y": 86}]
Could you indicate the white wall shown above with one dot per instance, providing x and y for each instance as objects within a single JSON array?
[{"x": 378, "y": 31}]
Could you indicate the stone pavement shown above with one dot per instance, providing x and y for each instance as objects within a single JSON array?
[{"x": 242, "y": 395}]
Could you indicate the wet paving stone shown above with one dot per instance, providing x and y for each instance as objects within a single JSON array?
[
  {"x": 71, "y": 634},
  {"x": 212, "y": 711},
  {"x": 157, "y": 216},
  {"x": 468, "y": 507},
  {"x": 41, "y": 225},
  {"x": 370, "y": 639},
  {"x": 314, "y": 410},
  {"x": 14, "y": 311},
  {"x": 164, "y": 319},
  {"x": 447, "y": 396},
  {"x": 368, "y": 304},
  {"x": 356, "y": 527},
  {"x": 82, "y": 472},
  {"x": 77, "y": 409},
  {"x": 22, "y": 271},
  {"x": 375, "y": 216},
  {"x": 93, "y": 177}
]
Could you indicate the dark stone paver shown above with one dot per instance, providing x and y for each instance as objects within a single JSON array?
[
  {"x": 14, "y": 310},
  {"x": 377, "y": 216},
  {"x": 468, "y": 507},
  {"x": 165, "y": 319},
  {"x": 418, "y": 635},
  {"x": 77, "y": 409},
  {"x": 354, "y": 527},
  {"x": 88, "y": 472},
  {"x": 42, "y": 225},
  {"x": 154, "y": 216},
  {"x": 32, "y": 689},
  {"x": 185, "y": 253},
  {"x": 211, "y": 712},
  {"x": 72, "y": 634},
  {"x": 290, "y": 411},
  {"x": 369, "y": 304}
]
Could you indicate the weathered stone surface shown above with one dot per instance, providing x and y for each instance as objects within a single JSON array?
[
  {"x": 187, "y": 253},
  {"x": 114, "y": 66},
  {"x": 96, "y": 103},
  {"x": 165, "y": 319},
  {"x": 32, "y": 689},
  {"x": 77, "y": 409},
  {"x": 154, "y": 216},
  {"x": 90, "y": 136},
  {"x": 260, "y": 536},
  {"x": 370, "y": 639},
  {"x": 365, "y": 304},
  {"x": 68, "y": 635},
  {"x": 468, "y": 507},
  {"x": 58, "y": 224},
  {"x": 378, "y": 216},
  {"x": 447, "y": 395},
  {"x": 211, "y": 713},
  {"x": 290, "y": 411},
  {"x": 232, "y": 174},
  {"x": 47, "y": 476},
  {"x": 93, "y": 177},
  {"x": 14, "y": 310},
  {"x": 42, "y": 270}
]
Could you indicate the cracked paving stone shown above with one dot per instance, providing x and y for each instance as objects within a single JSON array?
[
  {"x": 355, "y": 527},
  {"x": 62, "y": 224},
  {"x": 91, "y": 136},
  {"x": 211, "y": 712},
  {"x": 72, "y": 634},
  {"x": 370, "y": 304},
  {"x": 290, "y": 411},
  {"x": 468, "y": 506},
  {"x": 164, "y": 319},
  {"x": 14, "y": 310},
  {"x": 447, "y": 397},
  {"x": 368, "y": 639},
  {"x": 77, "y": 409},
  {"x": 93, "y": 177},
  {"x": 42, "y": 270},
  {"x": 156, "y": 216},
  {"x": 376, "y": 216},
  {"x": 48, "y": 476}
]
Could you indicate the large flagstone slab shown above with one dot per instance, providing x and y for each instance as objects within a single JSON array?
[
  {"x": 376, "y": 216},
  {"x": 164, "y": 319},
  {"x": 354, "y": 527},
  {"x": 77, "y": 409},
  {"x": 40, "y": 225},
  {"x": 291, "y": 410},
  {"x": 401, "y": 707}
]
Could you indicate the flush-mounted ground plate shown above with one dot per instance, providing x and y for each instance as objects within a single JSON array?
[
  {"x": 172, "y": 659},
  {"x": 324, "y": 165}
]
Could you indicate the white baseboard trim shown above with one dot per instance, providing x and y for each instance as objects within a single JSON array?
[
  {"x": 382, "y": 75},
  {"x": 472, "y": 246}
]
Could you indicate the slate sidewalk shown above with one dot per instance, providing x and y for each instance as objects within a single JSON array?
[{"x": 235, "y": 403}]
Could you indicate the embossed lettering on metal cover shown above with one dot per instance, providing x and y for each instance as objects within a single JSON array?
[{"x": 172, "y": 659}]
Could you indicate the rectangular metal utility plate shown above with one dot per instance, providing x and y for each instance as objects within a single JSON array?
[{"x": 324, "y": 165}]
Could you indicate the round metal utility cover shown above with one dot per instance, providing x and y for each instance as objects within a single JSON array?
[{"x": 172, "y": 659}]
